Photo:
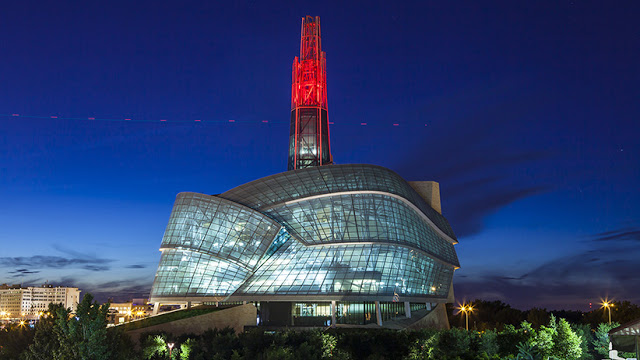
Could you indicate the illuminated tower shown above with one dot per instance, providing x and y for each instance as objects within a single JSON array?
[{"x": 309, "y": 135}]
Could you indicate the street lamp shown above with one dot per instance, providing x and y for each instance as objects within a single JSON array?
[
  {"x": 170, "y": 345},
  {"x": 466, "y": 309},
  {"x": 608, "y": 305}
]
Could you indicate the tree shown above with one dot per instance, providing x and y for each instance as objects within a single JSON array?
[
  {"x": 544, "y": 339},
  {"x": 585, "y": 334},
  {"x": 45, "y": 342},
  {"x": 538, "y": 317},
  {"x": 566, "y": 342},
  {"x": 14, "y": 339},
  {"x": 601, "y": 338},
  {"x": 84, "y": 336},
  {"x": 510, "y": 337}
]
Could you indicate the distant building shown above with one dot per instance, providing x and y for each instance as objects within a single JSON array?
[
  {"x": 17, "y": 302},
  {"x": 130, "y": 310}
]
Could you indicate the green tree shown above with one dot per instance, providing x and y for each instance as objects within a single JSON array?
[
  {"x": 45, "y": 342},
  {"x": 544, "y": 339},
  {"x": 60, "y": 335},
  {"x": 511, "y": 336},
  {"x": 452, "y": 343},
  {"x": 584, "y": 332},
  {"x": 14, "y": 339},
  {"x": 538, "y": 317},
  {"x": 601, "y": 338},
  {"x": 566, "y": 342},
  {"x": 83, "y": 336},
  {"x": 154, "y": 346},
  {"x": 422, "y": 348}
]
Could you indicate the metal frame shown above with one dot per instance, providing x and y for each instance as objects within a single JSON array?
[{"x": 309, "y": 142}]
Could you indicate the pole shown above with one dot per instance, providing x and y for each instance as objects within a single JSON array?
[
  {"x": 467, "y": 313},
  {"x": 609, "y": 307},
  {"x": 170, "y": 345}
]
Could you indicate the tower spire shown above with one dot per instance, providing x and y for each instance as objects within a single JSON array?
[{"x": 309, "y": 143}]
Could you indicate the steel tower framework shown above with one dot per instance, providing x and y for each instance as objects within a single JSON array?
[{"x": 309, "y": 143}]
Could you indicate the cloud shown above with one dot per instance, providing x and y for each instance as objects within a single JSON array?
[
  {"x": 570, "y": 281},
  {"x": 96, "y": 267},
  {"x": 124, "y": 290},
  {"x": 467, "y": 214},
  {"x": 22, "y": 272},
  {"x": 55, "y": 262},
  {"x": 624, "y": 234},
  {"x": 136, "y": 266},
  {"x": 480, "y": 171},
  {"x": 480, "y": 150},
  {"x": 73, "y": 259}
]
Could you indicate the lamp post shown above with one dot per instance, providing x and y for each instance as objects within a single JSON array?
[
  {"x": 608, "y": 305},
  {"x": 170, "y": 345},
  {"x": 466, "y": 309}
]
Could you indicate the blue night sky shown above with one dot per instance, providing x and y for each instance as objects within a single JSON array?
[{"x": 525, "y": 112}]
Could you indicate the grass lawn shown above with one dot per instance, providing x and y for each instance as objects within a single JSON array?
[{"x": 172, "y": 316}]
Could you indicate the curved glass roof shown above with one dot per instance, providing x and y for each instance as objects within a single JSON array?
[
  {"x": 359, "y": 218},
  {"x": 297, "y": 184}
]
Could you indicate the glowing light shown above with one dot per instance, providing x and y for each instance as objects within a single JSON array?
[
  {"x": 606, "y": 304},
  {"x": 232, "y": 121},
  {"x": 396, "y": 124},
  {"x": 127, "y": 119},
  {"x": 92, "y": 118},
  {"x": 163, "y": 120},
  {"x": 197, "y": 120},
  {"x": 15, "y": 114},
  {"x": 466, "y": 309},
  {"x": 54, "y": 117},
  {"x": 363, "y": 123}
]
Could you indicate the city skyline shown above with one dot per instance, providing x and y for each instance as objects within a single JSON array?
[{"x": 526, "y": 114}]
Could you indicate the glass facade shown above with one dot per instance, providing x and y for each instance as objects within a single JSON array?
[
  {"x": 298, "y": 184},
  {"x": 353, "y": 234},
  {"x": 211, "y": 245}
]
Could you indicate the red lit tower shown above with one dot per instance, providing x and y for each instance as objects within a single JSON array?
[{"x": 309, "y": 135}]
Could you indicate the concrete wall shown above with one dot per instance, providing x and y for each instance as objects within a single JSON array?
[
  {"x": 436, "y": 319},
  {"x": 429, "y": 191},
  {"x": 236, "y": 317}
]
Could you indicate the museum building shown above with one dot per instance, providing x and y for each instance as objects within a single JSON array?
[{"x": 321, "y": 244}]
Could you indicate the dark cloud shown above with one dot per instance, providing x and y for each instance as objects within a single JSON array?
[
  {"x": 73, "y": 259},
  {"x": 596, "y": 273},
  {"x": 56, "y": 262},
  {"x": 467, "y": 214},
  {"x": 96, "y": 267},
  {"x": 624, "y": 234},
  {"x": 483, "y": 158},
  {"x": 23, "y": 271},
  {"x": 136, "y": 266},
  {"x": 124, "y": 290}
]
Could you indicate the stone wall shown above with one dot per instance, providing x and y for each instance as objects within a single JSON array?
[
  {"x": 436, "y": 319},
  {"x": 236, "y": 317}
]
